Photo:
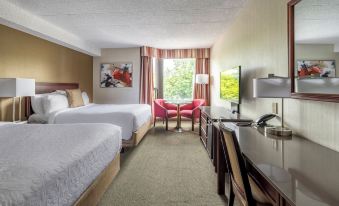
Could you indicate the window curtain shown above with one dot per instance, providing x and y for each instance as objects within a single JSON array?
[
  {"x": 146, "y": 77},
  {"x": 202, "y": 91},
  {"x": 202, "y": 57}
]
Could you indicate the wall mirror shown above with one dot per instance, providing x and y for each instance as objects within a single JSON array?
[{"x": 314, "y": 49}]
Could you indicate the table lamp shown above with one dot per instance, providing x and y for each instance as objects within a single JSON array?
[
  {"x": 274, "y": 87},
  {"x": 17, "y": 87},
  {"x": 202, "y": 79}
]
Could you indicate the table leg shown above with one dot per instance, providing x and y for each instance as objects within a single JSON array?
[
  {"x": 221, "y": 167},
  {"x": 178, "y": 126}
]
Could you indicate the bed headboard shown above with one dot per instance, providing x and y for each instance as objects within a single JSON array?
[{"x": 44, "y": 87}]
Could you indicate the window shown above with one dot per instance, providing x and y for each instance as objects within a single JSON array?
[{"x": 178, "y": 78}]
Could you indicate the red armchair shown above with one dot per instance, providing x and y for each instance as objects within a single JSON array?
[
  {"x": 164, "y": 111},
  {"x": 191, "y": 110}
]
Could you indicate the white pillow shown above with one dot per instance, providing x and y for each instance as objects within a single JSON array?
[
  {"x": 60, "y": 92},
  {"x": 85, "y": 98},
  {"x": 36, "y": 102},
  {"x": 54, "y": 102},
  {"x": 38, "y": 119}
]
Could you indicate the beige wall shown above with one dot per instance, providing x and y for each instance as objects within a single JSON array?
[
  {"x": 314, "y": 52},
  {"x": 117, "y": 95},
  {"x": 23, "y": 55},
  {"x": 257, "y": 40}
]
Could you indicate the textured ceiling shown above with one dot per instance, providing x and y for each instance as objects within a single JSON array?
[
  {"x": 128, "y": 23},
  {"x": 317, "y": 21}
]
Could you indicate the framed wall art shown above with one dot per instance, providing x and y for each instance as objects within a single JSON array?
[{"x": 116, "y": 75}]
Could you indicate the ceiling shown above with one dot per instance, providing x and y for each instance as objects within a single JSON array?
[
  {"x": 130, "y": 23},
  {"x": 317, "y": 22}
]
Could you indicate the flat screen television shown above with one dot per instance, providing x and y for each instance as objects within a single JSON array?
[{"x": 230, "y": 85}]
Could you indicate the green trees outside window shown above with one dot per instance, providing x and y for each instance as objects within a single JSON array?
[
  {"x": 178, "y": 79},
  {"x": 229, "y": 86}
]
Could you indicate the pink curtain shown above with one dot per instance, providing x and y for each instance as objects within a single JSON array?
[
  {"x": 184, "y": 53},
  {"x": 202, "y": 91},
  {"x": 146, "y": 79},
  {"x": 202, "y": 57},
  {"x": 176, "y": 53}
]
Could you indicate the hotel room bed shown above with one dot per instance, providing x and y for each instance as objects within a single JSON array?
[
  {"x": 134, "y": 119},
  {"x": 130, "y": 117},
  {"x": 57, "y": 164}
]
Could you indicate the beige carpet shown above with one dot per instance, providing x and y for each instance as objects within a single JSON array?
[{"x": 166, "y": 168}]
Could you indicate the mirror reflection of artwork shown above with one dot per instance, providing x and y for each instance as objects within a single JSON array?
[
  {"x": 116, "y": 75},
  {"x": 316, "y": 68}
]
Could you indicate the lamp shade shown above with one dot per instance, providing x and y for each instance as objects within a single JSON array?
[
  {"x": 201, "y": 78},
  {"x": 17, "y": 87},
  {"x": 277, "y": 87}
]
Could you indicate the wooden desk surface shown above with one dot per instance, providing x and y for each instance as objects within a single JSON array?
[
  {"x": 215, "y": 113},
  {"x": 304, "y": 172}
]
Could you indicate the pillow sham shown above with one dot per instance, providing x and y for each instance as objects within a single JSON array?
[
  {"x": 36, "y": 102},
  {"x": 54, "y": 102},
  {"x": 85, "y": 98},
  {"x": 60, "y": 92},
  {"x": 38, "y": 119},
  {"x": 74, "y": 98}
]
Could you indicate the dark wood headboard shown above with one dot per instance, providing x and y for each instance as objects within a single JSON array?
[{"x": 44, "y": 87}]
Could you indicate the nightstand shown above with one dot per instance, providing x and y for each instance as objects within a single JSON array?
[
  {"x": 21, "y": 122},
  {"x": 17, "y": 122}
]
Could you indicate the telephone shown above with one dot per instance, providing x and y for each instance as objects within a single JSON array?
[{"x": 261, "y": 121}]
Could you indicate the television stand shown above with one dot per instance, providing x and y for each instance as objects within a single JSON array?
[{"x": 210, "y": 115}]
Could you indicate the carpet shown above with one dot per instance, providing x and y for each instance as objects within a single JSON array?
[{"x": 166, "y": 168}]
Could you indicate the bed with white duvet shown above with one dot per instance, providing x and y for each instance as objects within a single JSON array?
[
  {"x": 130, "y": 117},
  {"x": 53, "y": 108},
  {"x": 53, "y": 164}
]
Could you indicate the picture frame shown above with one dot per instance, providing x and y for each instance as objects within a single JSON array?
[
  {"x": 315, "y": 68},
  {"x": 116, "y": 75}
]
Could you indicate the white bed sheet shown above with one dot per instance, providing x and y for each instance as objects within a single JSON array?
[
  {"x": 53, "y": 164},
  {"x": 129, "y": 116}
]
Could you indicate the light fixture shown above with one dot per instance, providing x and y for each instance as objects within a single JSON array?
[
  {"x": 201, "y": 78},
  {"x": 274, "y": 87},
  {"x": 17, "y": 87}
]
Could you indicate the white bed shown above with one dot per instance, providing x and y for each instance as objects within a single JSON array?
[
  {"x": 51, "y": 105},
  {"x": 130, "y": 117},
  {"x": 53, "y": 164}
]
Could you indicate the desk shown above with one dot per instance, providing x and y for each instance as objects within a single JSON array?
[
  {"x": 293, "y": 171},
  {"x": 207, "y": 132}
]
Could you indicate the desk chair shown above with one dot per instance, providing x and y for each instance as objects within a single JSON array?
[{"x": 241, "y": 184}]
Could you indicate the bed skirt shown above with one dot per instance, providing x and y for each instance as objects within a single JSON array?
[
  {"x": 95, "y": 191},
  {"x": 138, "y": 135}
]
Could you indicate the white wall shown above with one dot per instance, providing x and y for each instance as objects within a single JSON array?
[
  {"x": 257, "y": 40},
  {"x": 117, "y": 95}
]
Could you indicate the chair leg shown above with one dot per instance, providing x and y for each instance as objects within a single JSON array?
[
  {"x": 193, "y": 124},
  {"x": 154, "y": 121},
  {"x": 166, "y": 123}
]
